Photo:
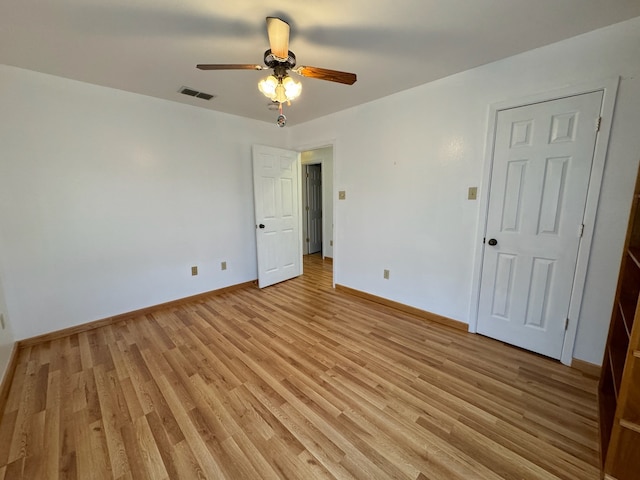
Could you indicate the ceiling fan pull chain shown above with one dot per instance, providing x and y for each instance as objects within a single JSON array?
[{"x": 281, "y": 121}]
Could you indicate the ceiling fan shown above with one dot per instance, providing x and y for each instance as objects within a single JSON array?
[{"x": 280, "y": 87}]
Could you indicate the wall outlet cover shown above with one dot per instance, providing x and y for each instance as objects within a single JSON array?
[
  {"x": 223, "y": 265},
  {"x": 194, "y": 271}
]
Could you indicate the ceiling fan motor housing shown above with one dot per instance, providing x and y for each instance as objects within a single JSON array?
[{"x": 279, "y": 66}]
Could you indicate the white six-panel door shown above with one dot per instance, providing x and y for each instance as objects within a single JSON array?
[
  {"x": 540, "y": 175},
  {"x": 277, "y": 209}
]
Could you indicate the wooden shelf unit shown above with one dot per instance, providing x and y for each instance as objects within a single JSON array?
[{"x": 619, "y": 389}]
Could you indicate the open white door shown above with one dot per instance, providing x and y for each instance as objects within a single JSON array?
[
  {"x": 542, "y": 162},
  {"x": 277, "y": 208}
]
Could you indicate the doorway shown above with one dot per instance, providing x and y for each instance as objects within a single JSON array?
[
  {"x": 281, "y": 223},
  {"x": 317, "y": 201}
]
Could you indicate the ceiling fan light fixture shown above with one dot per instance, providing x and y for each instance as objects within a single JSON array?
[{"x": 280, "y": 89}]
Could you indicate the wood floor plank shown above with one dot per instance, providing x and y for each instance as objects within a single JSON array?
[
  {"x": 112, "y": 421},
  {"x": 295, "y": 381},
  {"x": 52, "y": 434},
  {"x": 15, "y": 469},
  {"x": 163, "y": 442},
  {"x": 7, "y": 427},
  {"x": 196, "y": 442}
]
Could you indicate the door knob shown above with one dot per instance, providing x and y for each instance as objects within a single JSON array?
[
  {"x": 493, "y": 242},
  {"x": 261, "y": 225}
]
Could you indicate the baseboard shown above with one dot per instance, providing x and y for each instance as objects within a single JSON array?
[
  {"x": 327, "y": 259},
  {"x": 7, "y": 378},
  {"x": 432, "y": 317},
  {"x": 47, "y": 337},
  {"x": 587, "y": 368}
]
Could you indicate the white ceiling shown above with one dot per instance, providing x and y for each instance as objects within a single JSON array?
[{"x": 152, "y": 46}]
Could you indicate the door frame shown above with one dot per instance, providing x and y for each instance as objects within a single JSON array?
[
  {"x": 303, "y": 211},
  {"x": 316, "y": 146},
  {"x": 609, "y": 87}
]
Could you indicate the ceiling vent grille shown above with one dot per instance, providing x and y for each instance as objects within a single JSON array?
[{"x": 194, "y": 93}]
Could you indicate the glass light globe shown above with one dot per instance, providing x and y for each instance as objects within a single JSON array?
[
  {"x": 268, "y": 86},
  {"x": 292, "y": 88}
]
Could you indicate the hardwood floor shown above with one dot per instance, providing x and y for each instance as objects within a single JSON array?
[{"x": 296, "y": 381}]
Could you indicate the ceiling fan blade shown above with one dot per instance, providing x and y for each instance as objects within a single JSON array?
[
  {"x": 229, "y": 66},
  {"x": 326, "y": 74},
  {"x": 278, "y": 31}
]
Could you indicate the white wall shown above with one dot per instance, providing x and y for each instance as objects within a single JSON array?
[
  {"x": 324, "y": 156},
  {"x": 108, "y": 198},
  {"x": 406, "y": 162}
]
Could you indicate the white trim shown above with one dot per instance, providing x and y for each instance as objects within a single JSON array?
[
  {"x": 300, "y": 206},
  {"x": 609, "y": 87},
  {"x": 304, "y": 194}
]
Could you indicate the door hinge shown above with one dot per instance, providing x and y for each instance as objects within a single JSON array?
[
  {"x": 307, "y": 240},
  {"x": 484, "y": 240},
  {"x": 307, "y": 208},
  {"x": 566, "y": 324},
  {"x": 598, "y": 123},
  {"x": 581, "y": 230},
  {"x": 307, "y": 175}
]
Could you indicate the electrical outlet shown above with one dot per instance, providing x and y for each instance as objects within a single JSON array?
[
  {"x": 194, "y": 271},
  {"x": 386, "y": 274},
  {"x": 2, "y": 320},
  {"x": 331, "y": 243},
  {"x": 223, "y": 266},
  {"x": 473, "y": 193},
  {"x": 342, "y": 195}
]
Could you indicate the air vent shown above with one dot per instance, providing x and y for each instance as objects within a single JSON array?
[{"x": 194, "y": 93}]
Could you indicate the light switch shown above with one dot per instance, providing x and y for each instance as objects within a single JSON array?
[
  {"x": 473, "y": 193},
  {"x": 342, "y": 195}
]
